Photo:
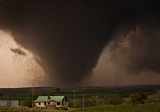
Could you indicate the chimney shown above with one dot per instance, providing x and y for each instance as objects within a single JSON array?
[{"x": 49, "y": 97}]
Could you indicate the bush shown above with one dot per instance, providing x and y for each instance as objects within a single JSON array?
[
  {"x": 92, "y": 101},
  {"x": 71, "y": 103},
  {"x": 155, "y": 98},
  {"x": 95, "y": 101},
  {"x": 137, "y": 98},
  {"x": 113, "y": 100},
  {"x": 28, "y": 102}
]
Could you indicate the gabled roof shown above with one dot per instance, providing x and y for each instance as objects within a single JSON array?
[{"x": 52, "y": 98}]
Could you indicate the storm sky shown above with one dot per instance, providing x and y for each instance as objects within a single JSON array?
[{"x": 80, "y": 40}]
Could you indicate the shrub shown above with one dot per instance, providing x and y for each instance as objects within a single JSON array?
[
  {"x": 153, "y": 98},
  {"x": 28, "y": 102},
  {"x": 92, "y": 101},
  {"x": 137, "y": 98},
  {"x": 113, "y": 100}
]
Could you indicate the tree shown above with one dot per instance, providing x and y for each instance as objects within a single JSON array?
[
  {"x": 113, "y": 99},
  {"x": 57, "y": 89},
  {"x": 137, "y": 98},
  {"x": 154, "y": 98}
]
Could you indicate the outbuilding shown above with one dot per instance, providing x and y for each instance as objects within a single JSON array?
[{"x": 9, "y": 103}]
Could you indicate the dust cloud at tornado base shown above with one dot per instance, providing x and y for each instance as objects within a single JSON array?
[{"x": 132, "y": 57}]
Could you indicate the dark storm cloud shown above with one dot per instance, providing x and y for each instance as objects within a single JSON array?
[{"x": 69, "y": 35}]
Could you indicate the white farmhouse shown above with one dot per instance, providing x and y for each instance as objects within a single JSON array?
[{"x": 51, "y": 102}]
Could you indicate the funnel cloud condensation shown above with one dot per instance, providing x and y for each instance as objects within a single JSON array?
[{"x": 70, "y": 36}]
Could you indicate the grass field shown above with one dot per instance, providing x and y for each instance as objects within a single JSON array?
[
  {"x": 24, "y": 95},
  {"x": 122, "y": 108},
  {"x": 108, "y": 108}
]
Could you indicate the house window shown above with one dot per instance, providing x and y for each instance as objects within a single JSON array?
[
  {"x": 58, "y": 103},
  {"x": 44, "y": 103},
  {"x": 48, "y": 102},
  {"x": 39, "y": 103}
]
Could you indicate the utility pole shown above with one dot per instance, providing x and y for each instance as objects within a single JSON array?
[
  {"x": 74, "y": 97},
  {"x": 83, "y": 100},
  {"x": 8, "y": 104},
  {"x": 33, "y": 96}
]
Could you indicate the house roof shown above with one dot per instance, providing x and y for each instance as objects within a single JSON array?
[{"x": 52, "y": 98}]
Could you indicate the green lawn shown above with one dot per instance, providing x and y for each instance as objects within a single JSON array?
[
  {"x": 107, "y": 108},
  {"x": 122, "y": 108}
]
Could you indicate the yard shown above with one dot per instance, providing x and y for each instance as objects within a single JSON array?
[{"x": 108, "y": 108}]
